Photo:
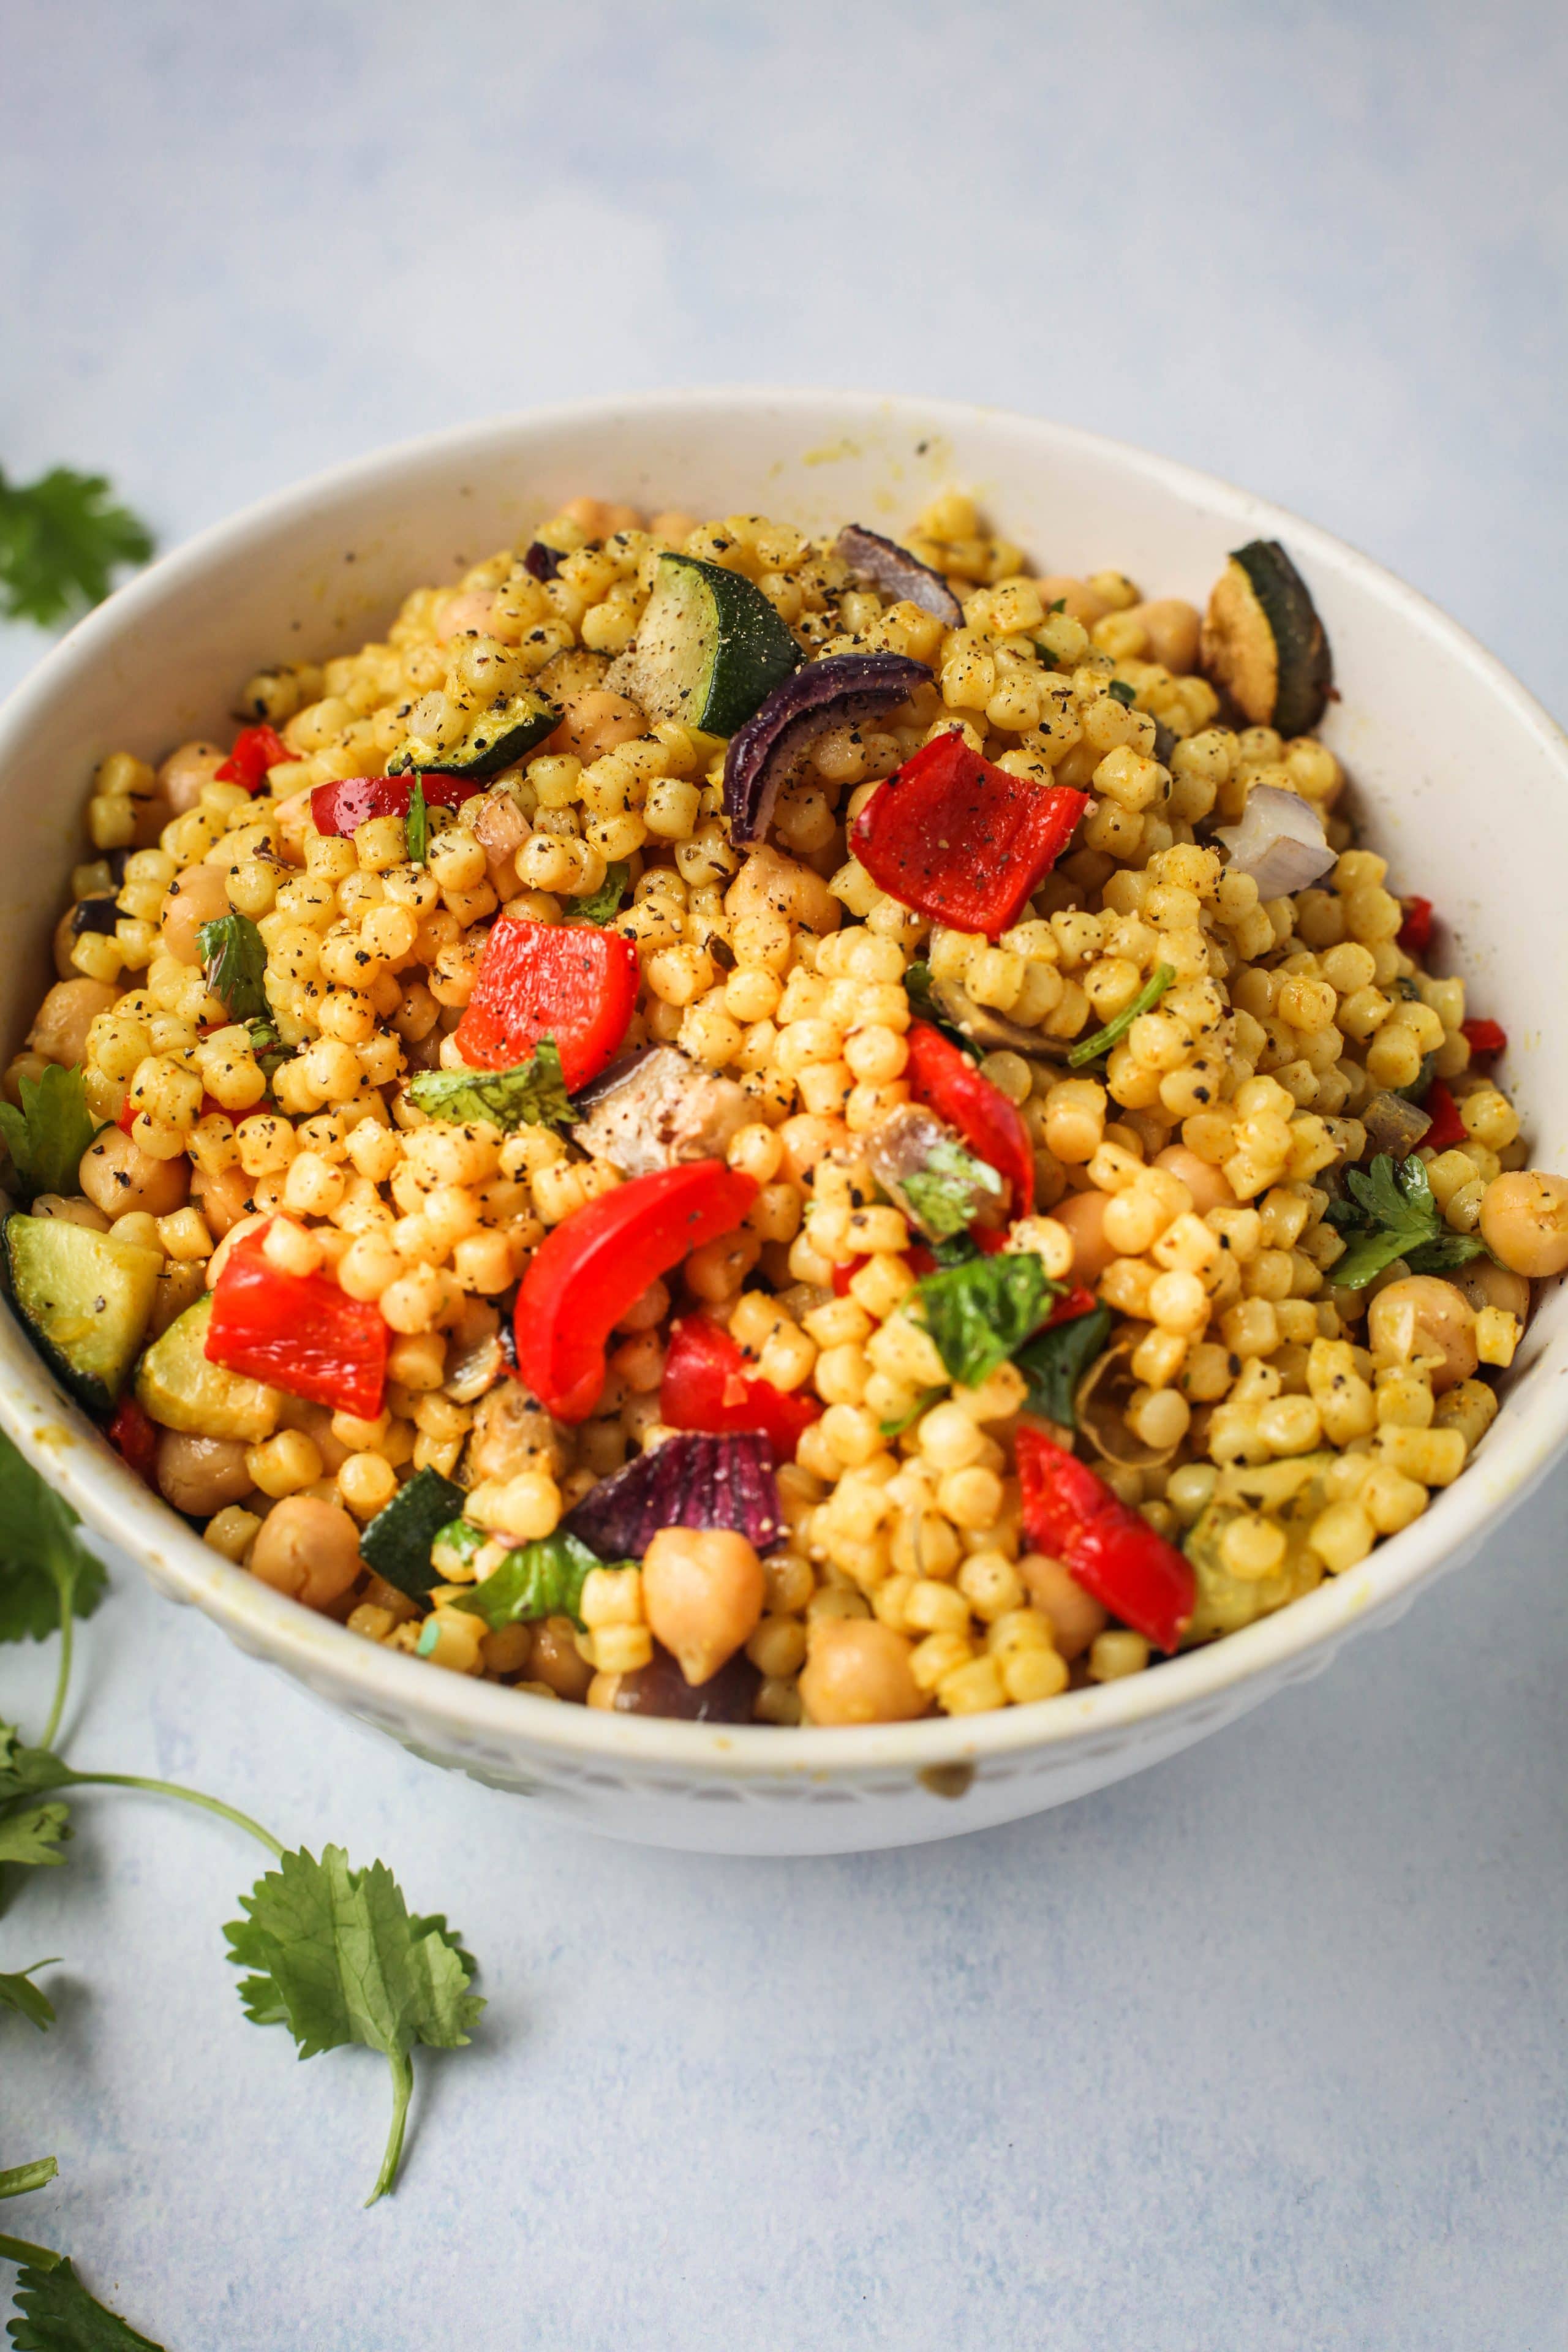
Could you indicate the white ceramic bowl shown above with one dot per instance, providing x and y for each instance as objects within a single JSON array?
[{"x": 1453, "y": 764}]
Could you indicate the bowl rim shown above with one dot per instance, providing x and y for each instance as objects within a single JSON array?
[{"x": 387, "y": 1684}]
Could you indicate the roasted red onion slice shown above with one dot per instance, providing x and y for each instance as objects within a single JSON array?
[
  {"x": 838, "y": 691},
  {"x": 1279, "y": 842},
  {"x": 541, "y": 563},
  {"x": 892, "y": 570},
  {"x": 690, "y": 1481}
]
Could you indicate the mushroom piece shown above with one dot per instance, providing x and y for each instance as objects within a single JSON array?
[
  {"x": 659, "y": 1110},
  {"x": 993, "y": 1031}
]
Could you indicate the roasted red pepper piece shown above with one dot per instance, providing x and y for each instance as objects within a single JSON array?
[
  {"x": 1111, "y": 1550},
  {"x": 1069, "y": 1307},
  {"x": 135, "y": 1439},
  {"x": 1416, "y": 930},
  {"x": 343, "y": 807},
  {"x": 572, "y": 981},
  {"x": 711, "y": 1383},
  {"x": 947, "y": 1082},
  {"x": 960, "y": 840},
  {"x": 1487, "y": 1039},
  {"x": 255, "y": 751},
  {"x": 1447, "y": 1128},
  {"x": 584, "y": 1274},
  {"x": 298, "y": 1332}
]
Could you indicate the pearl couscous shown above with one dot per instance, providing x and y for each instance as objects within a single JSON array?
[{"x": 728, "y": 1124}]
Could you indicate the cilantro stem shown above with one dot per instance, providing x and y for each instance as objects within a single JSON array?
[
  {"x": 1089, "y": 1049},
  {"x": 185, "y": 1796},
  {"x": 22, "y": 2250},
  {"x": 65, "y": 1585},
  {"x": 401, "y": 2067}
]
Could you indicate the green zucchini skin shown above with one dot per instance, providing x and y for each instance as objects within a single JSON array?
[
  {"x": 1306, "y": 663},
  {"x": 85, "y": 1301},
  {"x": 510, "y": 729},
  {"x": 397, "y": 1541},
  {"x": 709, "y": 648}
]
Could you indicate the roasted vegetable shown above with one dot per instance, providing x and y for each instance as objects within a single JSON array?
[
  {"x": 894, "y": 571},
  {"x": 85, "y": 1300},
  {"x": 1292, "y": 1494},
  {"x": 661, "y": 1110},
  {"x": 508, "y": 729},
  {"x": 841, "y": 691},
  {"x": 710, "y": 647},
  {"x": 178, "y": 1386},
  {"x": 1264, "y": 642},
  {"x": 397, "y": 1541},
  {"x": 689, "y": 1481}
]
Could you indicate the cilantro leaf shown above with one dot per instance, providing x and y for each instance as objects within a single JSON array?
[
  {"x": 59, "y": 2315},
  {"x": 47, "y": 1137},
  {"x": 235, "y": 955},
  {"x": 980, "y": 1312},
  {"x": 602, "y": 905},
  {"x": 339, "y": 1960},
  {"x": 1055, "y": 1361},
  {"x": 536, "y": 1580},
  {"x": 16, "y": 1992},
  {"x": 529, "y": 1095},
  {"x": 61, "y": 540},
  {"x": 1091, "y": 1048},
  {"x": 35, "y": 1836},
  {"x": 943, "y": 1193},
  {"x": 45, "y": 1567},
  {"x": 416, "y": 824},
  {"x": 1391, "y": 1214},
  {"x": 27, "y": 1771},
  {"x": 1119, "y": 691}
]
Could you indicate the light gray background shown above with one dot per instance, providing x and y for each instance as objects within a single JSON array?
[{"x": 1264, "y": 2049}]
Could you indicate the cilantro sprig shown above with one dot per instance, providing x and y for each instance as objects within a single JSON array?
[
  {"x": 1392, "y": 1213},
  {"x": 1055, "y": 1361},
  {"x": 47, "y": 1137},
  {"x": 532, "y": 1093},
  {"x": 980, "y": 1312},
  {"x": 1091, "y": 1048},
  {"x": 335, "y": 1953},
  {"x": 62, "y": 538}
]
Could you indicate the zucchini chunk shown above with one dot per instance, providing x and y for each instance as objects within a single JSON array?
[
  {"x": 85, "y": 1301},
  {"x": 397, "y": 1541},
  {"x": 178, "y": 1388},
  {"x": 512, "y": 725},
  {"x": 1293, "y": 1493},
  {"x": 709, "y": 648},
  {"x": 1264, "y": 642}
]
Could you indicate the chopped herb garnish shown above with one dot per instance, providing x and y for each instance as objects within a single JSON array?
[
  {"x": 942, "y": 1192},
  {"x": 981, "y": 1312},
  {"x": 416, "y": 824},
  {"x": 1415, "y": 1092},
  {"x": 530, "y": 1094},
  {"x": 1119, "y": 691},
  {"x": 58, "y": 2312},
  {"x": 61, "y": 541},
  {"x": 269, "y": 1048},
  {"x": 922, "y": 1403},
  {"x": 602, "y": 905},
  {"x": 1089, "y": 1049},
  {"x": 1392, "y": 1213},
  {"x": 1053, "y": 1363},
  {"x": 536, "y": 1580},
  {"x": 1057, "y": 604},
  {"x": 47, "y": 1137},
  {"x": 235, "y": 956}
]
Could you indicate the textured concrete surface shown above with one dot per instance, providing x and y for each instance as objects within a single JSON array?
[{"x": 1264, "y": 2049}]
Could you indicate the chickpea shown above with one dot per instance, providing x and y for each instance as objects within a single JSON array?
[
  {"x": 1083, "y": 1215},
  {"x": 119, "y": 1178},
  {"x": 1485, "y": 1285},
  {"x": 858, "y": 1671},
  {"x": 1206, "y": 1183},
  {"x": 222, "y": 1199},
  {"x": 1075, "y": 1616},
  {"x": 555, "y": 1659},
  {"x": 185, "y": 772},
  {"x": 199, "y": 1474},
  {"x": 1524, "y": 1220},
  {"x": 1077, "y": 599},
  {"x": 65, "y": 1016},
  {"x": 1421, "y": 1314},
  {"x": 308, "y": 1549},
  {"x": 770, "y": 882},
  {"x": 703, "y": 1592},
  {"x": 593, "y": 722},
  {"x": 1170, "y": 626},
  {"x": 199, "y": 896}
]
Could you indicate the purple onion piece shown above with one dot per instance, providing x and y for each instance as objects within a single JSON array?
[
  {"x": 660, "y": 1688},
  {"x": 541, "y": 563},
  {"x": 896, "y": 572},
  {"x": 690, "y": 1481},
  {"x": 838, "y": 691}
]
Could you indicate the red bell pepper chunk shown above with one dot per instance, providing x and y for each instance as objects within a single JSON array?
[
  {"x": 1070, "y": 1306},
  {"x": 1487, "y": 1039},
  {"x": 960, "y": 840},
  {"x": 1110, "y": 1550},
  {"x": 255, "y": 751},
  {"x": 343, "y": 807},
  {"x": 947, "y": 1082},
  {"x": 584, "y": 1274},
  {"x": 298, "y": 1332},
  {"x": 710, "y": 1383},
  {"x": 135, "y": 1439},
  {"x": 572, "y": 981},
  {"x": 1447, "y": 1128},
  {"x": 1416, "y": 930}
]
